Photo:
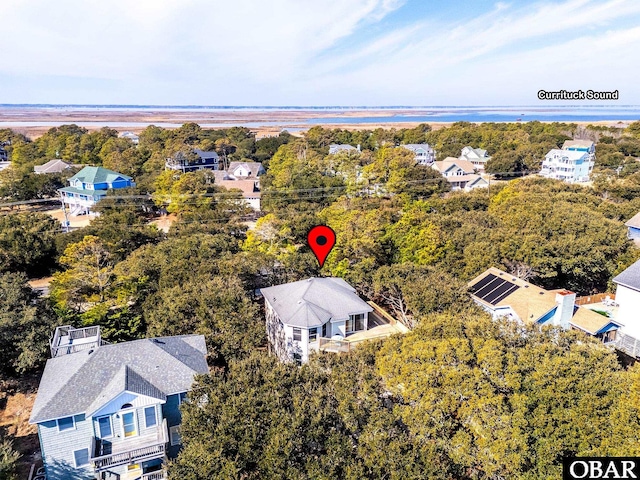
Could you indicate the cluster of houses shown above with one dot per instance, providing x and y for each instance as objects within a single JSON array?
[
  {"x": 90, "y": 185},
  {"x": 573, "y": 163},
  {"x": 462, "y": 173}
]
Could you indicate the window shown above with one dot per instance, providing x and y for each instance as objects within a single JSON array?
[
  {"x": 297, "y": 334},
  {"x": 66, "y": 423},
  {"x": 355, "y": 323},
  {"x": 174, "y": 435},
  {"x": 182, "y": 397},
  {"x": 324, "y": 330},
  {"x": 150, "y": 416},
  {"x": 81, "y": 457},
  {"x": 129, "y": 424},
  {"x": 313, "y": 335},
  {"x": 104, "y": 427}
]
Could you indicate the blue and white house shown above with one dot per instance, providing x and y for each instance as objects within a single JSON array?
[
  {"x": 111, "y": 411},
  {"x": 89, "y": 186},
  {"x": 573, "y": 164}
]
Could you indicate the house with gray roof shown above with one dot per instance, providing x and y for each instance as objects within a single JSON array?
[
  {"x": 337, "y": 148},
  {"x": 424, "y": 154},
  {"x": 111, "y": 411},
  {"x": 52, "y": 166},
  {"x": 243, "y": 170},
  {"x": 477, "y": 156},
  {"x": 89, "y": 186},
  {"x": 199, "y": 160},
  {"x": 300, "y": 314}
]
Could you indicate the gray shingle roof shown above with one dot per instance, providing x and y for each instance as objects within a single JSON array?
[
  {"x": 634, "y": 221},
  {"x": 82, "y": 382},
  {"x": 255, "y": 168},
  {"x": 630, "y": 277},
  {"x": 312, "y": 302},
  {"x": 52, "y": 166},
  {"x": 414, "y": 147},
  {"x": 205, "y": 155}
]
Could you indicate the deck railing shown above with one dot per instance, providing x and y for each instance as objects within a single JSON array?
[
  {"x": 155, "y": 449},
  {"x": 74, "y": 334},
  {"x": 160, "y": 475},
  {"x": 627, "y": 344},
  {"x": 346, "y": 345}
]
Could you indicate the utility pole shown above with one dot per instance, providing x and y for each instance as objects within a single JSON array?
[{"x": 64, "y": 211}]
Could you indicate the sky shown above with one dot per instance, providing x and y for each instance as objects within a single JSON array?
[{"x": 316, "y": 52}]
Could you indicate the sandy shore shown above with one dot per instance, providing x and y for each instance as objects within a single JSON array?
[{"x": 34, "y": 121}]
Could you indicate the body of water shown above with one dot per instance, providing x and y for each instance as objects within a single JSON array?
[{"x": 336, "y": 115}]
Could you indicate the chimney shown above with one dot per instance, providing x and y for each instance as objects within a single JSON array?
[
  {"x": 358, "y": 147},
  {"x": 566, "y": 301}
]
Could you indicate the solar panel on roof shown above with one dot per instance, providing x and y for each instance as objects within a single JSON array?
[
  {"x": 496, "y": 292},
  {"x": 493, "y": 289},
  {"x": 482, "y": 282},
  {"x": 499, "y": 298},
  {"x": 489, "y": 287}
]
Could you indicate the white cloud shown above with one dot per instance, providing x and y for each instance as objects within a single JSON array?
[{"x": 310, "y": 52}]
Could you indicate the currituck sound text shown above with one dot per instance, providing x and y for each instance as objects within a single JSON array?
[{"x": 577, "y": 95}]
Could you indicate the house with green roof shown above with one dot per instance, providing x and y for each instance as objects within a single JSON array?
[{"x": 89, "y": 186}]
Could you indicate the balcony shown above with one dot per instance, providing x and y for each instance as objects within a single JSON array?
[
  {"x": 105, "y": 455},
  {"x": 67, "y": 339},
  {"x": 380, "y": 325}
]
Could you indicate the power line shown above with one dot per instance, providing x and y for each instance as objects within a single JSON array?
[{"x": 234, "y": 196}]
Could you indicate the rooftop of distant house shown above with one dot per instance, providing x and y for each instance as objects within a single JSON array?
[
  {"x": 570, "y": 154},
  {"x": 52, "y": 166},
  {"x": 496, "y": 288},
  {"x": 450, "y": 162},
  {"x": 98, "y": 175},
  {"x": 577, "y": 143},
  {"x": 630, "y": 277},
  {"x": 634, "y": 222}
]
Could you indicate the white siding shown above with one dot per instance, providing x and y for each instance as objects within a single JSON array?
[
  {"x": 125, "y": 397},
  {"x": 629, "y": 301}
]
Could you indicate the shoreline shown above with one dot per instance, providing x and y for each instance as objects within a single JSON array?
[{"x": 35, "y": 121}]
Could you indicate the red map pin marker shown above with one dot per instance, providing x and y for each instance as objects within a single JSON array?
[{"x": 321, "y": 240}]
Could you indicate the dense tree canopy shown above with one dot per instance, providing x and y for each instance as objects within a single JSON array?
[{"x": 462, "y": 396}]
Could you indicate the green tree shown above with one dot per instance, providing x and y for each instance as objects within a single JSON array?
[
  {"x": 26, "y": 323},
  {"x": 8, "y": 460},
  {"x": 27, "y": 243},
  {"x": 88, "y": 276}
]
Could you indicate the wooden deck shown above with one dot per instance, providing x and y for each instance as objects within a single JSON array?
[{"x": 380, "y": 326}]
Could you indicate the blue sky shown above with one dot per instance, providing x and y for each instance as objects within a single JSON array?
[{"x": 315, "y": 52}]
